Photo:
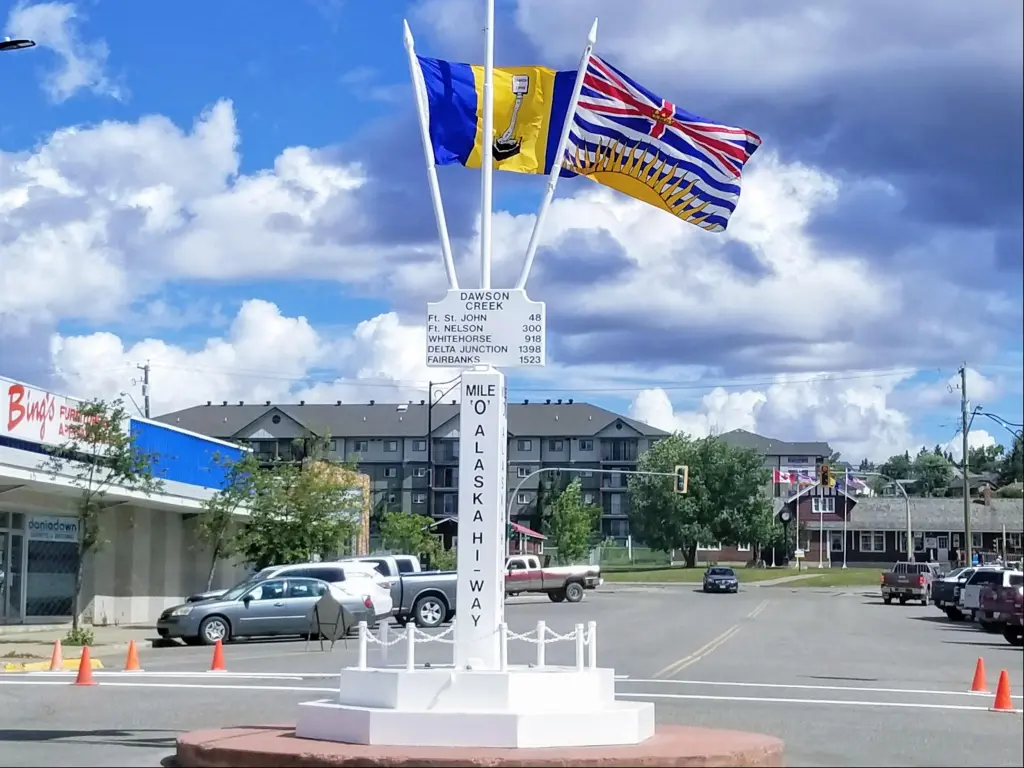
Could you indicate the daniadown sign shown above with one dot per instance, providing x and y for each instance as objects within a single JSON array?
[{"x": 52, "y": 528}]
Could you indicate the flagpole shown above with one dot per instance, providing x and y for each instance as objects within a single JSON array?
[
  {"x": 846, "y": 511},
  {"x": 556, "y": 163},
  {"x": 423, "y": 114},
  {"x": 487, "y": 158}
]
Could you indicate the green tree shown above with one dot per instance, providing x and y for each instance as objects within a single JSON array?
[
  {"x": 407, "y": 534},
  {"x": 898, "y": 467},
  {"x": 99, "y": 458},
  {"x": 218, "y": 521},
  {"x": 571, "y": 523},
  {"x": 986, "y": 458},
  {"x": 298, "y": 512},
  {"x": 726, "y": 497},
  {"x": 1011, "y": 469},
  {"x": 933, "y": 473}
]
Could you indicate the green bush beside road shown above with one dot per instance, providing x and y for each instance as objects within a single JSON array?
[{"x": 830, "y": 577}]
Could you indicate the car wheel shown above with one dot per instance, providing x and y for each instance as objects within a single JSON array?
[
  {"x": 429, "y": 612},
  {"x": 214, "y": 628},
  {"x": 705, "y": 588},
  {"x": 556, "y": 597},
  {"x": 887, "y": 600},
  {"x": 574, "y": 592},
  {"x": 1014, "y": 636}
]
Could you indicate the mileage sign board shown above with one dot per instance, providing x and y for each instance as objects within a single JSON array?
[{"x": 496, "y": 327}]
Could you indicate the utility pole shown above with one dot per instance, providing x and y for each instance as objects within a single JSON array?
[
  {"x": 965, "y": 431},
  {"x": 145, "y": 388}
]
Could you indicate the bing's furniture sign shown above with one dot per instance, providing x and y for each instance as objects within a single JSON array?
[{"x": 35, "y": 415}]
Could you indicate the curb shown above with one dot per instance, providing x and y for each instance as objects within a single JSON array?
[{"x": 68, "y": 665}]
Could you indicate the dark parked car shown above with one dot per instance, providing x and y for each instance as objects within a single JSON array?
[
  {"x": 270, "y": 608},
  {"x": 721, "y": 579}
]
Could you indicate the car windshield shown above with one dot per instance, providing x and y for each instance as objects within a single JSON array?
[
  {"x": 238, "y": 590},
  {"x": 720, "y": 572}
]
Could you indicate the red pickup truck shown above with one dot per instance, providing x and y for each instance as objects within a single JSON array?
[
  {"x": 909, "y": 581},
  {"x": 1002, "y": 610}
]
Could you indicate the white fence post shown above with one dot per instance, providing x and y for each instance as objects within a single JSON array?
[
  {"x": 410, "y": 647},
  {"x": 592, "y": 644},
  {"x": 384, "y": 643},
  {"x": 503, "y": 646},
  {"x": 542, "y": 631},
  {"x": 579, "y": 647},
  {"x": 361, "y": 663}
]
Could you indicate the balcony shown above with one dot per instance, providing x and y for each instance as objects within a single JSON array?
[{"x": 619, "y": 451}]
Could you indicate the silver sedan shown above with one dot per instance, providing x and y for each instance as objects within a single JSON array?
[{"x": 272, "y": 608}]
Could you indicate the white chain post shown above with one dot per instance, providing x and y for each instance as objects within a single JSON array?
[
  {"x": 503, "y": 646},
  {"x": 410, "y": 647},
  {"x": 542, "y": 630},
  {"x": 384, "y": 643},
  {"x": 579, "y": 647},
  {"x": 361, "y": 664},
  {"x": 592, "y": 644}
]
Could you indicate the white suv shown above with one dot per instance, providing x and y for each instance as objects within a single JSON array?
[{"x": 352, "y": 577}]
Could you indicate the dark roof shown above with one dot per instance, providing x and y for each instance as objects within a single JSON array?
[
  {"x": 769, "y": 446},
  {"x": 885, "y": 513},
  {"x": 401, "y": 420}
]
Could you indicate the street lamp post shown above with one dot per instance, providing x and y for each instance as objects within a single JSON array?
[
  {"x": 434, "y": 395},
  {"x": 16, "y": 45}
]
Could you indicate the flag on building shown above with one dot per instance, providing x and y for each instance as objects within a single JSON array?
[{"x": 623, "y": 136}]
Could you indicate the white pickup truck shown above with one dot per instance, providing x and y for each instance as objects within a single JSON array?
[
  {"x": 524, "y": 573},
  {"x": 969, "y": 601}
]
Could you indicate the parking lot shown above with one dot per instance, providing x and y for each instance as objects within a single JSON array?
[{"x": 841, "y": 678}]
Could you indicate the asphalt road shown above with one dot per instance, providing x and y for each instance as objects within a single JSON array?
[{"x": 844, "y": 680}]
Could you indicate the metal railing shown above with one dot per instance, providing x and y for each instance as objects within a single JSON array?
[{"x": 584, "y": 637}]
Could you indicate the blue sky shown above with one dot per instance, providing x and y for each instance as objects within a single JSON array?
[{"x": 243, "y": 204}]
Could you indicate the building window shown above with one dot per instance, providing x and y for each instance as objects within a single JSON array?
[
  {"x": 586, "y": 445},
  {"x": 392, "y": 498},
  {"x": 523, "y": 471},
  {"x": 525, "y": 445},
  {"x": 587, "y": 473},
  {"x": 823, "y": 504},
  {"x": 334, "y": 446},
  {"x": 419, "y": 472},
  {"x": 956, "y": 541},
  {"x": 901, "y": 541},
  {"x": 391, "y": 446},
  {"x": 872, "y": 541},
  {"x": 710, "y": 547},
  {"x": 798, "y": 460},
  {"x": 419, "y": 445},
  {"x": 588, "y": 498},
  {"x": 1013, "y": 541},
  {"x": 556, "y": 446},
  {"x": 835, "y": 541},
  {"x": 976, "y": 541},
  {"x": 742, "y": 547},
  {"x": 523, "y": 498},
  {"x": 419, "y": 498},
  {"x": 361, "y": 446},
  {"x": 942, "y": 541},
  {"x": 390, "y": 471}
]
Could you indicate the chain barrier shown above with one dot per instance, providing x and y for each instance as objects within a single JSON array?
[{"x": 585, "y": 638}]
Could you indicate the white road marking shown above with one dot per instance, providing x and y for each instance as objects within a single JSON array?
[
  {"x": 804, "y": 687},
  {"x": 781, "y": 700}
]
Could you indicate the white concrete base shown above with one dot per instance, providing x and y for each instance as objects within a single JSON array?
[{"x": 443, "y": 707}]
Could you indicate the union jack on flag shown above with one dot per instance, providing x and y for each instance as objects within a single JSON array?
[{"x": 629, "y": 139}]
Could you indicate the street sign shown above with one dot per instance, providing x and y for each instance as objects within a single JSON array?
[{"x": 496, "y": 327}]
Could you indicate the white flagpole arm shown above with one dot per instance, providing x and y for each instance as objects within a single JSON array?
[
  {"x": 556, "y": 165},
  {"x": 487, "y": 157},
  {"x": 422, "y": 112}
]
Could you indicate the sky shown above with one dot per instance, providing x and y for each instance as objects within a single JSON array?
[{"x": 243, "y": 204}]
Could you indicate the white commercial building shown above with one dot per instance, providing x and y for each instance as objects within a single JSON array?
[{"x": 150, "y": 556}]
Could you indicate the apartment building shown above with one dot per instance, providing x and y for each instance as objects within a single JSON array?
[
  {"x": 410, "y": 451},
  {"x": 797, "y": 461}
]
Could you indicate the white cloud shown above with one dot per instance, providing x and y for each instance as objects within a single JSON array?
[
  {"x": 263, "y": 356},
  {"x": 976, "y": 438},
  {"x": 851, "y": 414},
  {"x": 83, "y": 63}
]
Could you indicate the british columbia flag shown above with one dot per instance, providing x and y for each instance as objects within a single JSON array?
[{"x": 627, "y": 138}]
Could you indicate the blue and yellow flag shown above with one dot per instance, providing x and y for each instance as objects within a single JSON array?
[
  {"x": 529, "y": 110},
  {"x": 622, "y": 136}
]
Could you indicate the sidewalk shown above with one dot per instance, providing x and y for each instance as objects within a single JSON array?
[
  {"x": 25, "y": 647},
  {"x": 763, "y": 583}
]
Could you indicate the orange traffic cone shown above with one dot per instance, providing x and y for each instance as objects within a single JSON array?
[
  {"x": 57, "y": 658},
  {"x": 218, "y": 658},
  {"x": 978, "y": 685},
  {"x": 85, "y": 669},
  {"x": 131, "y": 663},
  {"x": 1003, "y": 702}
]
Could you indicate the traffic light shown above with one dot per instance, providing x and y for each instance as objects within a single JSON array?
[
  {"x": 509, "y": 530},
  {"x": 828, "y": 480},
  {"x": 682, "y": 478}
]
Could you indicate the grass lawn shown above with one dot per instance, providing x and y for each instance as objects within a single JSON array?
[{"x": 829, "y": 577}]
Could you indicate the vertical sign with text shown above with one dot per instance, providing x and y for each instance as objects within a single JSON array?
[{"x": 480, "y": 602}]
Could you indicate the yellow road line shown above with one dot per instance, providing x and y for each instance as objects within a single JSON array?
[{"x": 710, "y": 647}]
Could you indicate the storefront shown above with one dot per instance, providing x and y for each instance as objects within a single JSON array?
[{"x": 151, "y": 555}]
